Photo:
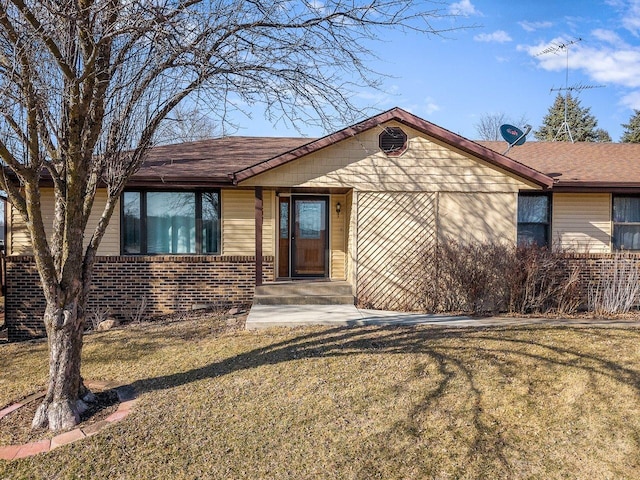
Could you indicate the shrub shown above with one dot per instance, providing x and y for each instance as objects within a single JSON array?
[
  {"x": 542, "y": 281},
  {"x": 486, "y": 277},
  {"x": 465, "y": 277}
]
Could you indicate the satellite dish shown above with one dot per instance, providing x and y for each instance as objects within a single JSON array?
[{"x": 512, "y": 135}]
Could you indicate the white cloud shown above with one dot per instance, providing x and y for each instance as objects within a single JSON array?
[
  {"x": 463, "y": 7},
  {"x": 431, "y": 106},
  {"x": 608, "y": 36},
  {"x": 631, "y": 100},
  {"x": 499, "y": 36},
  {"x": 602, "y": 64},
  {"x": 533, "y": 26},
  {"x": 631, "y": 16}
]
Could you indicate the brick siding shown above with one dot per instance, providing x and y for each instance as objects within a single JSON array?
[
  {"x": 169, "y": 283},
  {"x": 592, "y": 266}
]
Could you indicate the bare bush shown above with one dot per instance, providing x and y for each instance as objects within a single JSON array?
[
  {"x": 542, "y": 281},
  {"x": 465, "y": 277},
  {"x": 486, "y": 277},
  {"x": 138, "y": 311},
  {"x": 615, "y": 290},
  {"x": 97, "y": 316}
]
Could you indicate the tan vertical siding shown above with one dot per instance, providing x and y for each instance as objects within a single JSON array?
[
  {"x": 238, "y": 222},
  {"x": 478, "y": 216},
  {"x": 110, "y": 244},
  {"x": 337, "y": 242},
  {"x": 20, "y": 244},
  {"x": 582, "y": 221},
  {"x": 350, "y": 234},
  {"x": 18, "y": 241}
]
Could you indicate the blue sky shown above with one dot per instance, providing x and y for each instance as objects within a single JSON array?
[{"x": 454, "y": 79}]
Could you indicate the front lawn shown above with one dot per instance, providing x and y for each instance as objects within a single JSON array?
[{"x": 423, "y": 402}]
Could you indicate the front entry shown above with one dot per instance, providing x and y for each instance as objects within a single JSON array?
[{"x": 304, "y": 236}]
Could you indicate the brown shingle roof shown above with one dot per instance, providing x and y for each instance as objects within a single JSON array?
[
  {"x": 210, "y": 161},
  {"x": 580, "y": 165}
]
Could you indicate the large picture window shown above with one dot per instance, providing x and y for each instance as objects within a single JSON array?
[
  {"x": 533, "y": 219},
  {"x": 626, "y": 223},
  {"x": 156, "y": 222}
]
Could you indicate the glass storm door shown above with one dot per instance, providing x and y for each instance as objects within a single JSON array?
[{"x": 309, "y": 236}]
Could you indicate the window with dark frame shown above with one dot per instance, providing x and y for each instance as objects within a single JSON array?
[
  {"x": 626, "y": 222},
  {"x": 170, "y": 222},
  {"x": 534, "y": 215}
]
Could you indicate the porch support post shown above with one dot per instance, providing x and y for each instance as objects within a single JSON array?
[{"x": 259, "y": 219}]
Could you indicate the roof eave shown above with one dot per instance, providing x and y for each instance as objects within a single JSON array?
[
  {"x": 595, "y": 186},
  {"x": 177, "y": 182}
]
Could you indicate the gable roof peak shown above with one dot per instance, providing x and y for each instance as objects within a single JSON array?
[{"x": 413, "y": 121}]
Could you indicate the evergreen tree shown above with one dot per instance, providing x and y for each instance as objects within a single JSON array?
[
  {"x": 579, "y": 119},
  {"x": 602, "y": 136},
  {"x": 632, "y": 129}
]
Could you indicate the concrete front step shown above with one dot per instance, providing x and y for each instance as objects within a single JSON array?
[
  {"x": 303, "y": 300},
  {"x": 304, "y": 293}
]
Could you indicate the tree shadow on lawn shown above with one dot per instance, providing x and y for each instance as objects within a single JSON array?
[{"x": 501, "y": 347}]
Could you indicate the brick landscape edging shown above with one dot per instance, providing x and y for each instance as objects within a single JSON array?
[{"x": 126, "y": 395}]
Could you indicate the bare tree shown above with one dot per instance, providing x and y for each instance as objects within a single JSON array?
[
  {"x": 488, "y": 128},
  {"x": 84, "y": 85},
  {"x": 185, "y": 125}
]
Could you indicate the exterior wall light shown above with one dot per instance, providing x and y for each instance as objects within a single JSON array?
[{"x": 338, "y": 208}]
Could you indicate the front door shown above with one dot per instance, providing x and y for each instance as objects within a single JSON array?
[{"x": 309, "y": 236}]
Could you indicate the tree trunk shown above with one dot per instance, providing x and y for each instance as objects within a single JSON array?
[{"x": 62, "y": 405}]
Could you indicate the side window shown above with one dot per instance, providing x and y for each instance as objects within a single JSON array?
[
  {"x": 533, "y": 219},
  {"x": 626, "y": 223}
]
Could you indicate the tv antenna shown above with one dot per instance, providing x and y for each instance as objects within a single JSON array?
[{"x": 574, "y": 88}]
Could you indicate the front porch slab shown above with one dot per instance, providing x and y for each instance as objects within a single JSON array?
[{"x": 267, "y": 316}]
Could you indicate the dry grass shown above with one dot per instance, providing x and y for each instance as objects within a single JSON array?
[{"x": 520, "y": 402}]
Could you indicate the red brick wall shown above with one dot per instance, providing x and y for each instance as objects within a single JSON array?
[
  {"x": 169, "y": 283},
  {"x": 592, "y": 265}
]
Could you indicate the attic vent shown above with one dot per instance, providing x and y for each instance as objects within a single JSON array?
[{"x": 393, "y": 141}]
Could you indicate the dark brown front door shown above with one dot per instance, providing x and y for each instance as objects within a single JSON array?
[{"x": 309, "y": 236}]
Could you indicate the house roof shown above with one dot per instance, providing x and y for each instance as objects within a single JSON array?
[
  {"x": 212, "y": 161},
  {"x": 234, "y": 159},
  {"x": 582, "y": 165}
]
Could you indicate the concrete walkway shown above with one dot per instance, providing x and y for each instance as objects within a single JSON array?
[{"x": 266, "y": 316}]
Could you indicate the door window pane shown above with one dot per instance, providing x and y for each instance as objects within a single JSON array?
[
  {"x": 284, "y": 219},
  {"x": 310, "y": 217}
]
